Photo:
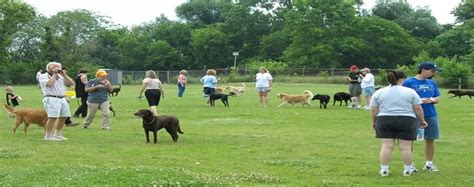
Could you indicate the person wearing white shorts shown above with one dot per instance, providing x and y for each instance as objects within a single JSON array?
[{"x": 53, "y": 85}]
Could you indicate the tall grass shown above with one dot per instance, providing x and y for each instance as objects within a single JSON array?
[{"x": 243, "y": 144}]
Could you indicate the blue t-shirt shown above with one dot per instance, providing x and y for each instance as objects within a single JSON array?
[
  {"x": 425, "y": 89},
  {"x": 99, "y": 95},
  {"x": 209, "y": 81}
]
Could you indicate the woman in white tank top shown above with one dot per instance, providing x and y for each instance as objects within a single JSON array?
[{"x": 154, "y": 90}]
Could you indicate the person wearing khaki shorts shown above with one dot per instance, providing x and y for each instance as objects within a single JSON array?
[{"x": 98, "y": 99}]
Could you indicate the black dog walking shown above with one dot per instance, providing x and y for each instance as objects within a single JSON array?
[
  {"x": 341, "y": 96},
  {"x": 323, "y": 100},
  {"x": 223, "y": 97}
]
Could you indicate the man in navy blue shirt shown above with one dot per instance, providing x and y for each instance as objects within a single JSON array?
[{"x": 429, "y": 94}]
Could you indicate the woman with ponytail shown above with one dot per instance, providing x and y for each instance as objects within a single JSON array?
[{"x": 395, "y": 110}]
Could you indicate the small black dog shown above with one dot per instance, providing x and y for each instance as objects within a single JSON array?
[
  {"x": 223, "y": 97},
  {"x": 459, "y": 93},
  {"x": 323, "y": 100},
  {"x": 341, "y": 96},
  {"x": 111, "y": 108},
  {"x": 115, "y": 91},
  {"x": 155, "y": 123}
]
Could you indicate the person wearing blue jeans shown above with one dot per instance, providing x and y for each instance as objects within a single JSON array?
[
  {"x": 428, "y": 91},
  {"x": 182, "y": 81}
]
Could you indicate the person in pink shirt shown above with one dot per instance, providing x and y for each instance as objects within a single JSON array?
[{"x": 182, "y": 81}]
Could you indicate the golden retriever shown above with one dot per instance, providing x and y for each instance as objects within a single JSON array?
[
  {"x": 238, "y": 90},
  {"x": 304, "y": 99},
  {"x": 27, "y": 116}
]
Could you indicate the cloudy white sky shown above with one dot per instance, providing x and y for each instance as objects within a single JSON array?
[{"x": 129, "y": 13}]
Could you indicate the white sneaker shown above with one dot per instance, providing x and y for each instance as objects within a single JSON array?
[
  {"x": 431, "y": 168},
  {"x": 52, "y": 138},
  {"x": 106, "y": 128},
  {"x": 62, "y": 138},
  {"x": 383, "y": 173},
  {"x": 408, "y": 173}
]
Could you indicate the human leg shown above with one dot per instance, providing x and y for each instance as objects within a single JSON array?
[
  {"x": 48, "y": 135},
  {"x": 91, "y": 111},
  {"x": 385, "y": 155},
  {"x": 104, "y": 107}
]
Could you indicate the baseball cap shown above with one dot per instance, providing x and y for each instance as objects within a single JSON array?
[
  {"x": 101, "y": 73},
  {"x": 428, "y": 66}
]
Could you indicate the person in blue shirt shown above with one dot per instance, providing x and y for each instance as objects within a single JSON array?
[
  {"x": 428, "y": 91},
  {"x": 209, "y": 83}
]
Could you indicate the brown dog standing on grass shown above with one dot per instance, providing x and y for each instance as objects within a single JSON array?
[
  {"x": 155, "y": 123},
  {"x": 27, "y": 116}
]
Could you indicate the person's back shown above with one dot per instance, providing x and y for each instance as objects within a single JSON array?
[
  {"x": 395, "y": 101},
  {"x": 209, "y": 81}
]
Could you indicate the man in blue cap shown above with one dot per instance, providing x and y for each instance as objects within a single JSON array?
[{"x": 429, "y": 94}]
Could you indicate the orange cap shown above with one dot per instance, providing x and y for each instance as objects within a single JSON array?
[{"x": 101, "y": 73}]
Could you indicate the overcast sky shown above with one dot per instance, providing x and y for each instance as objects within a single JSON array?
[{"x": 129, "y": 13}]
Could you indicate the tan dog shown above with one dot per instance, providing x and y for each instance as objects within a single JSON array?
[
  {"x": 304, "y": 99},
  {"x": 238, "y": 90},
  {"x": 27, "y": 116}
]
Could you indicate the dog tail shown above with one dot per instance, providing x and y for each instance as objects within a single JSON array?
[{"x": 9, "y": 108}]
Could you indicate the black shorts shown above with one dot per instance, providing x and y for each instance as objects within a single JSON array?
[
  {"x": 208, "y": 91},
  {"x": 396, "y": 127},
  {"x": 153, "y": 96}
]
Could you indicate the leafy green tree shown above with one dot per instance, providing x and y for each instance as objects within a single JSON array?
[
  {"x": 75, "y": 32},
  {"x": 386, "y": 44},
  {"x": 455, "y": 42},
  {"x": 202, "y": 12},
  {"x": 319, "y": 33},
  {"x": 464, "y": 11},
  {"x": 210, "y": 48},
  {"x": 419, "y": 22},
  {"x": 13, "y": 16}
]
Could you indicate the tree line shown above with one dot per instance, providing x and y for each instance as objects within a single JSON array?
[{"x": 288, "y": 33}]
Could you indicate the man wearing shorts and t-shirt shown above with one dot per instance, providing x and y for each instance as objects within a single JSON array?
[
  {"x": 53, "y": 85},
  {"x": 429, "y": 94}
]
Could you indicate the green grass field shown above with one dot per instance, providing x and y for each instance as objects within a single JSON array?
[{"x": 241, "y": 145}]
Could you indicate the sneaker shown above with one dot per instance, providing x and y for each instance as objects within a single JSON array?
[
  {"x": 407, "y": 173},
  {"x": 62, "y": 138},
  {"x": 431, "y": 168},
  {"x": 72, "y": 124},
  {"x": 383, "y": 173},
  {"x": 413, "y": 169},
  {"x": 52, "y": 138},
  {"x": 106, "y": 128}
]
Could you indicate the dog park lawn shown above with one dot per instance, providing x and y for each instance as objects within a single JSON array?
[{"x": 241, "y": 145}]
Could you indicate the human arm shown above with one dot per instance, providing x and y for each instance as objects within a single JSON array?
[
  {"x": 92, "y": 86},
  {"x": 142, "y": 89},
  {"x": 84, "y": 79},
  {"x": 162, "y": 90},
  {"x": 108, "y": 85},
  {"x": 419, "y": 113},
  {"x": 67, "y": 80},
  {"x": 373, "y": 114}
]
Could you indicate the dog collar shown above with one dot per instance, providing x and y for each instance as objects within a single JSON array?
[{"x": 152, "y": 121}]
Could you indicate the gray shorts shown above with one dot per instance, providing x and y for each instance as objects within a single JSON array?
[
  {"x": 56, "y": 107},
  {"x": 355, "y": 90}
]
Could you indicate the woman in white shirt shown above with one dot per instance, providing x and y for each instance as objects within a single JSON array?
[
  {"x": 368, "y": 86},
  {"x": 154, "y": 90},
  {"x": 263, "y": 85},
  {"x": 395, "y": 110}
]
